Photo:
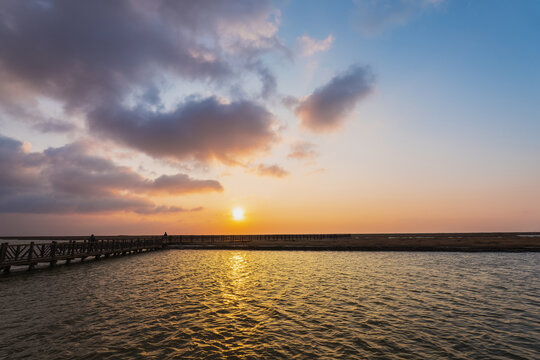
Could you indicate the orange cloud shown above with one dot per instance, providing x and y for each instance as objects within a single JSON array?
[{"x": 271, "y": 170}]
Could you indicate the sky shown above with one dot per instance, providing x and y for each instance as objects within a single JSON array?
[{"x": 361, "y": 116}]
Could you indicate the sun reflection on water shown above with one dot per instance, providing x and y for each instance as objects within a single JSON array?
[
  {"x": 236, "y": 274},
  {"x": 236, "y": 261},
  {"x": 208, "y": 304}
]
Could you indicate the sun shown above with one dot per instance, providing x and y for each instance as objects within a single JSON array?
[{"x": 238, "y": 214}]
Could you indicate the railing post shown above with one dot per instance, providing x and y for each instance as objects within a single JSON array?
[
  {"x": 3, "y": 251},
  {"x": 106, "y": 248},
  {"x": 17, "y": 252},
  {"x": 69, "y": 251},
  {"x": 53, "y": 253},
  {"x": 30, "y": 254}
]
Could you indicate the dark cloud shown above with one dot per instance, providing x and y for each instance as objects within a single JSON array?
[
  {"x": 203, "y": 129},
  {"x": 91, "y": 56},
  {"x": 271, "y": 170},
  {"x": 326, "y": 108},
  {"x": 19, "y": 170},
  {"x": 81, "y": 52},
  {"x": 85, "y": 51},
  {"x": 47, "y": 203},
  {"x": 303, "y": 150},
  {"x": 182, "y": 183},
  {"x": 69, "y": 180}
]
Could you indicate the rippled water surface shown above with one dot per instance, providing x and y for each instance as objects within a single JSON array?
[{"x": 277, "y": 304}]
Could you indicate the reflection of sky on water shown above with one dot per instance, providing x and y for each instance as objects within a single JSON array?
[{"x": 277, "y": 304}]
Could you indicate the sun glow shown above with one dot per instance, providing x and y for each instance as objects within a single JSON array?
[{"x": 238, "y": 214}]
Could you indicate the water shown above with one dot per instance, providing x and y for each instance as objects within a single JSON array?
[{"x": 277, "y": 304}]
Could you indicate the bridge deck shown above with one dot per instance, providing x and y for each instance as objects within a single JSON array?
[
  {"x": 30, "y": 254},
  {"x": 34, "y": 253}
]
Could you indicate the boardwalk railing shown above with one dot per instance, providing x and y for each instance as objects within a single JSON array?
[
  {"x": 32, "y": 254},
  {"x": 242, "y": 239}
]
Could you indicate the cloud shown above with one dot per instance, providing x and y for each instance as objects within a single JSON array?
[
  {"x": 59, "y": 48},
  {"x": 19, "y": 169},
  {"x": 165, "y": 210},
  {"x": 303, "y": 150},
  {"x": 241, "y": 27},
  {"x": 45, "y": 203},
  {"x": 56, "y": 126},
  {"x": 271, "y": 170},
  {"x": 326, "y": 108},
  {"x": 29, "y": 112},
  {"x": 70, "y": 180},
  {"x": 290, "y": 102},
  {"x": 374, "y": 16},
  {"x": 91, "y": 57},
  {"x": 84, "y": 51},
  {"x": 308, "y": 46},
  {"x": 268, "y": 80},
  {"x": 203, "y": 129},
  {"x": 182, "y": 184}
]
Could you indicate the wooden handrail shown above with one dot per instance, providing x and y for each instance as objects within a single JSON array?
[{"x": 31, "y": 254}]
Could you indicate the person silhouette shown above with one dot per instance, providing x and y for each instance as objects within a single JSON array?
[{"x": 92, "y": 241}]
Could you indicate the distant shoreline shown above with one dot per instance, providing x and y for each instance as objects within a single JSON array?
[
  {"x": 355, "y": 248},
  {"x": 452, "y": 242}
]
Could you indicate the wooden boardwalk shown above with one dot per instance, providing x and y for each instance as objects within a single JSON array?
[
  {"x": 31, "y": 254},
  {"x": 68, "y": 248},
  {"x": 34, "y": 253},
  {"x": 245, "y": 239}
]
